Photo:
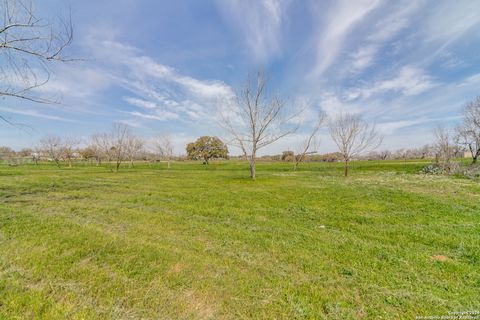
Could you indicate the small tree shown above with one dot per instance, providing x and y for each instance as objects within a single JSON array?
[
  {"x": 69, "y": 146},
  {"x": 164, "y": 146},
  {"x": 5, "y": 152},
  {"x": 353, "y": 136},
  {"x": 287, "y": 155},
  {"x": 311, "y": 141},
  {"x": 120, "y": 135},
  {"x": 88, "y": 153},
  {"x": 133, "y": 147},
  {"x": 443, "y": 149},
  {"x": 468, "y": 133},
  {"x": 52, "y": 147},
  {"x": 101, "y": 144},
  {"x": 207, "y": 148},
  {"x": 384, "y": 155},
  {"x": 113, "y": 146}
]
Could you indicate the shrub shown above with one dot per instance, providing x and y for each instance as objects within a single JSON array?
[
  {"x": 471, "y": 172},
  {"x": 431, "y": 169},
  {"x": 441, "y": 168}
]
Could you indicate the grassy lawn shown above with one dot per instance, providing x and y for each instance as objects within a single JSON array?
[{"x": 198, "y": 242}]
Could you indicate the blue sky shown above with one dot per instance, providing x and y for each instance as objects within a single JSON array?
[{"x": 161, "y": 66}]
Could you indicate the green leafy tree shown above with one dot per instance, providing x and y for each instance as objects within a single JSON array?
[
  {"x": 207, "y": 148},
  {"x": 287, "y": 155}
]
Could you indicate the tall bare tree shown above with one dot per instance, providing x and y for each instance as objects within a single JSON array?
[
  {"x": 28, "y": 45},
  {"x": 164, "y": 147},
  {"x": 256, "y": 119},
  {"x": 353, "y": 136},
  {"x": 310, "y": 142},
  {"x": 468, "y": 133}
]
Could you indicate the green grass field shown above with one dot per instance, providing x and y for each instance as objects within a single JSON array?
[{"x": 198, "y": 242}]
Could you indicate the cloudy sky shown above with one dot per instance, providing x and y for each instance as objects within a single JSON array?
[{"x": 161, "y": 66}]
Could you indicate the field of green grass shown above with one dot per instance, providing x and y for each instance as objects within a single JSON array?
[{"x": 206, "y": 242}]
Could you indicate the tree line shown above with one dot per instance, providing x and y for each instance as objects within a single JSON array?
[{"x": 352, "y": 135}]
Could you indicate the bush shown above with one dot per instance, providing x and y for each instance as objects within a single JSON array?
[
  {"x": 471, "y": 172},
  {"x": 431, "y": 169},
  {"x": 450, "y": 168}
]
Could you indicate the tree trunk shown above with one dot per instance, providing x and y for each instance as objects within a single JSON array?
[
  {"x": 168, "y": 164},
  {"x": 474, "y": 155},
  {"x": 346, "y": 168},
  {"x": 117, "y": 166},
  {"x": 253, "y": 170}
]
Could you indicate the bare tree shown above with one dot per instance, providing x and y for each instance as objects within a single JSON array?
[
  {"x": 119, "y": 136},
  {"x": 114, "y": 145},
  {"x": 256, "y": 119},
  {"x": 101, "y": 143},
  {"x": 425, "y": 152},
  {"x": 133, "y": 147},
  {"x": 164, "y": 146},
  {"x": 69, "y": 146},
  {"x": 443, "y": 148},
  {"x": 93, "y": 151},
  {"x": 52, "y": 147},
  {"x": 468, "y": 133},
  {"x": 353, "y": 136},
  {"x": 311, "y": 142},
  {"x": 384, "y": 154},
  {"x": 28, "y": 45}
]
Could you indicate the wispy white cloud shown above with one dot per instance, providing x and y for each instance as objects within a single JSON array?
[
  {"x": 163, "y": 92},
  {"x": 260, "y": 22},
  {"x": 470, "y": 80},
  {"x": 34, "y": 113},
  {"x": 330, "y": 37},
  {"x": 450, "y": 20},
  {"x": 381, "y": 32},
  {"x": 363, "y": 57},
  {"x": 391, "y": 127},
  {"x": 158, "y": 115},
  {"x": 409, "y": 81},
  {"x": 76, "y": 81},
  {"x": 141, "y": 103}
]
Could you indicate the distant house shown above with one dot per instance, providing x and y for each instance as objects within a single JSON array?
[{"x": 467, "y": 154}]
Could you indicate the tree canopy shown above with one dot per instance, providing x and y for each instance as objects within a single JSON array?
[{"x": 207, "y": 148}]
